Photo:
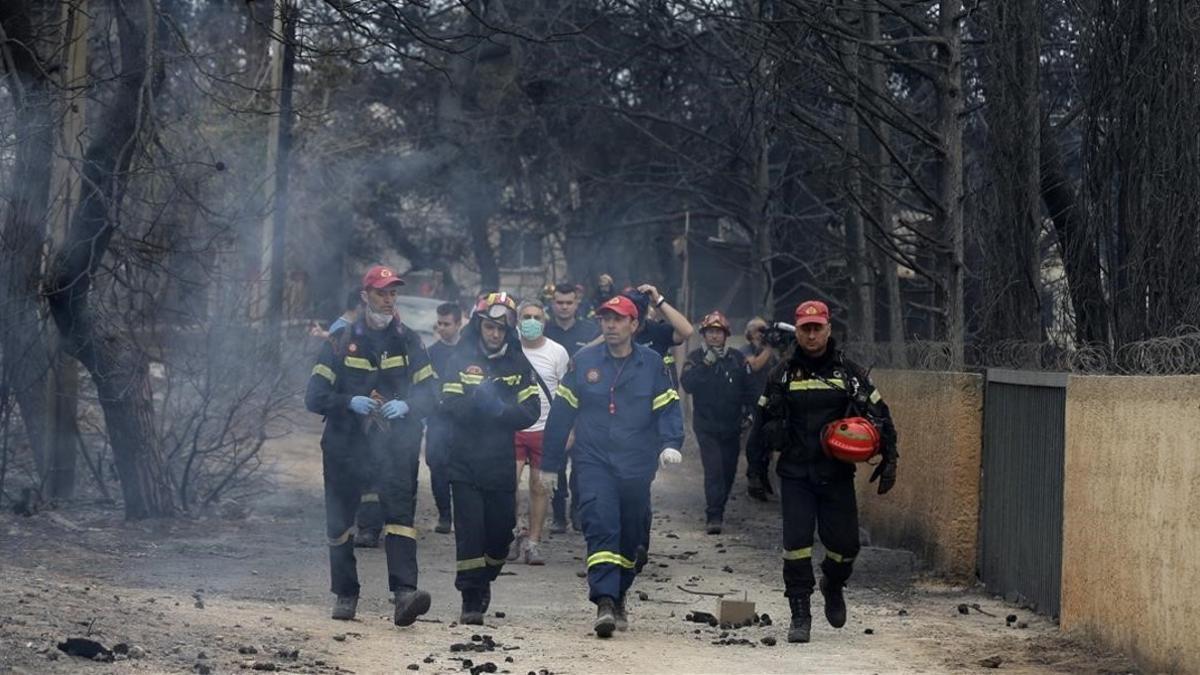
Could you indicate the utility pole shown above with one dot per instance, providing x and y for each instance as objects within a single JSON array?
[{"x": 269, "y": 298}]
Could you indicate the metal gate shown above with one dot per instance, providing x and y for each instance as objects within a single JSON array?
[{"x": 1020, "y": 548}]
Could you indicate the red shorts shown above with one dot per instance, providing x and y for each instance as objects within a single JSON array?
[{"x": 529, "y": 447}]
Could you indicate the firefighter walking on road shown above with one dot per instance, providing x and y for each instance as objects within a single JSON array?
[
  {"x": 374, "y": 384},
  {"x": 821, "y": 412},
  {"x": 723, "y": 397},
  {"x": 620, "y": 400},
  {"x": 488, "y": 394}
]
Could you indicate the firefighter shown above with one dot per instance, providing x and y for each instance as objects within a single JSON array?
[
  {"x": 814, "y": 386},
  {"x": 374, "y": 384},
  {"x": 488, "y": 394},
  {"x": 627, "y": 420},
  {"x": 723, "y": 397}
]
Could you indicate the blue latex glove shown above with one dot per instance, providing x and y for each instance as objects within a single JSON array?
[
  {"x": 394, "y": 409},
  {"x": 363, "y": 405},
  {"x": 489, "y": 399}
]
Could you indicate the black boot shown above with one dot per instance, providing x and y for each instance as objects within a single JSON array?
[
  {"x": 485, "y": 599},
  {"x": 755, "y": 488},
  {"x": 345, "y": 607},
  {"x": 410, "y": 605},
  {"x": 620, "y": 618},
  {"x": 835, "y": 602},
  {"x": 801, "y": 619},
  {"x": 367, "y": 538},
  {"x": 606, "y": 618},
  {"x": 444, "y": 524},
  {"x": 472, "y": 608}
]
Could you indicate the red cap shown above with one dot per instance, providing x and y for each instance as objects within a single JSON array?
[
  {"x": 381, "y": 276},
  {"x": 619, "y": 305},
  {"x": 812, "y": 311}
]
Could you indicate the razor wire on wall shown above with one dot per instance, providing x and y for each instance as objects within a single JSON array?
[{"x": 1178, "y": 354}]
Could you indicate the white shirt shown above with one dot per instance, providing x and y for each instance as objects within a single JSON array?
[{"x": 551, "y": 362}]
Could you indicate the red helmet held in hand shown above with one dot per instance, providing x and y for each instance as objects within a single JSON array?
[{"x": 853, "y": 439}]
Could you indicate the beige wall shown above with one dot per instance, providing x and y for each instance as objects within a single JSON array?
[
  {"x": 1131, "y": 530},
  {"x": 934, "y": 508}
]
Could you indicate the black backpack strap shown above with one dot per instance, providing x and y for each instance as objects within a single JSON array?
[{"x": 542, "y": 384}]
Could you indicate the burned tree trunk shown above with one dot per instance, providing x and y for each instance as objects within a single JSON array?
[
  {"x": 1081, "y": 259},
  {"x": 1014, "y": 223},
  {"x": 120, "y": 373},
  {"x": 950, "y": 174},
  {"x": 26, "y": 360}
]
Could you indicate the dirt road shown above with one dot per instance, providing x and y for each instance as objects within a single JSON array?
[{"x": 233, "y": 594}]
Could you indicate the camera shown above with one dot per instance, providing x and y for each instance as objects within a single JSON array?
[{"x": 779, "y": 335}]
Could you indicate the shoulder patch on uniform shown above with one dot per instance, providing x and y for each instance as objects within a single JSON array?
[
  {"x": 352, "y": 348},
  {"x": 473, "y": 370},
  {"x": 593, "y": 375}
]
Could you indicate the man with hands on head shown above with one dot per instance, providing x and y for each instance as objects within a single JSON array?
[{"x": 661, "y": 335}]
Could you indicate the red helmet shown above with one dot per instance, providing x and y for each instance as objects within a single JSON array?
[
  {"x": 853, "y": 439},
  {"x": 715, "y": 319}
]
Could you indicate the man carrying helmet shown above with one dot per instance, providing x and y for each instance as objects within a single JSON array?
[
  {"x": 723, "y": 396},
  {"x": 627, "y": 420},
  {"x": 822, "y": 414},
  {"x": 488, "y": 394},
  {"x": 374, "y": 384}
]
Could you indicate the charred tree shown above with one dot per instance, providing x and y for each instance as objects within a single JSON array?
[
  {"x": 27, "y": 31},
  {"x": 119, "y": 371}
]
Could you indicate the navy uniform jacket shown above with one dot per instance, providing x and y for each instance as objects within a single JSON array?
[
  {"x": 578, "y": 337},
  {"x": 644, "y": 418},
  {"x": 481, "y": 446},
  {"x": 356, "y": 361},
  {"x": 723, "y": 394}
]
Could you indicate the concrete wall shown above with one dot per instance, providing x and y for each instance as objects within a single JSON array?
[
  {"x": 1131, "y": 530},
  {"x": 934, "y": 508}
]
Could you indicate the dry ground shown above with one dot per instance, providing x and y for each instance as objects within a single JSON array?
[{"x": 229, "y": 595}]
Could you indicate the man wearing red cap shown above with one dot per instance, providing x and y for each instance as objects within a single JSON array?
[
  {"x": 619, "y": 399},
  {"x": 723, "y": 397},
  {"x": 374, "y": 384},
  {"x": 813, "y": 387}
]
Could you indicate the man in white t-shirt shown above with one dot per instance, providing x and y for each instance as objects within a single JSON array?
[{"x": 551, "y": 361}]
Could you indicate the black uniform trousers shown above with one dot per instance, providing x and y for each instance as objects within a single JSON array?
[
  {"x": 437, "y": 458},
  {"x": 758, "y": 459},
  {"x": 370, "y": 512},
  {"x": 567, "y": 486},
  {"x": 719, "y": 456},
  {"x": 831, "y": 508},
  {"x": 353, "y": 464},
  {"x": 483, "y": 531}
]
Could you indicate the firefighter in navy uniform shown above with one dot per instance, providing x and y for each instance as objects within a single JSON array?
[
  {"x": 374, "y": 384},
  {"x": 488, "y": 394},
  {"x": 723, "y": 396},
  {"x": 812, "y": 388},
  {"x": 625, "y": 411}
]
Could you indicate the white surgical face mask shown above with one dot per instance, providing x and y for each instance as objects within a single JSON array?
[
  {"x": 531, "y": 329},
  {"x": 377, "y": 320}
]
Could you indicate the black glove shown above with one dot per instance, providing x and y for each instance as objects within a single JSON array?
[{"x": 886, "y": 473}]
